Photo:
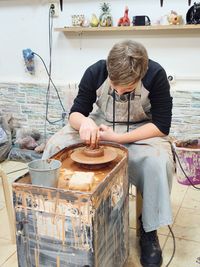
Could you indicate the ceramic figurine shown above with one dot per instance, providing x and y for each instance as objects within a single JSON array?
[
  {"x": 174, "y": 18},
  {"x": 124, "y": 21},
  {"x": 77, "y": 20},
  {"x": 163, "y": 20},
  {"x": 94, "y": 22},
  {"x": 105, "y": 19},
  {"x": 86, "y": 22}
]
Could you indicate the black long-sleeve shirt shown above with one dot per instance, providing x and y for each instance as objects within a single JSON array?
[{"x": 155, "y": 81}]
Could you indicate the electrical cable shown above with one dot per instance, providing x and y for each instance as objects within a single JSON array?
[
  {"x": 174, "y": 246},
  {"x": 50, "y": 81},
  {"x": 26, "y": 168},
  {"x": 50, "y": 54},
  {"x": 50, "y": 23},
  {"x": 48, "y": 86},
  {"x": 50, "y": 64}
]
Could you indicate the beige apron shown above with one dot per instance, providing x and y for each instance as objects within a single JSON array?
[{"x": 139, "y": 104}]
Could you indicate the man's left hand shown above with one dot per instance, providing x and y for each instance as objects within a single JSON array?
[{"x": 106, "y": 133}]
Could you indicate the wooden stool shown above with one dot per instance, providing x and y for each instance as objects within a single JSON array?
[
  {"x": 138, "y": 205},
  {"x": 8, "y": 201},
  {"x": 138, "y": 210}
]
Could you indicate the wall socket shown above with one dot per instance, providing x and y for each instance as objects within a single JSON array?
[
  {"x": 55, "y": 9},
  {"x": 171, "y": 78}
]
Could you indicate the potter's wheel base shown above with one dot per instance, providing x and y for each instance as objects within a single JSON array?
[
  {"x": 80, "y": 157},
  {"x": 93, "y": 166}
]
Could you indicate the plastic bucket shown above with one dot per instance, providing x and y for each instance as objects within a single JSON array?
[
  {"x": 44, "y": 172},
  {"x": 188, "y": 153}
]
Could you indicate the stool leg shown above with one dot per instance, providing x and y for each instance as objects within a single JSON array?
[
  {"x": 138, "y": 211},
  {"x": 9, "y": 205}
]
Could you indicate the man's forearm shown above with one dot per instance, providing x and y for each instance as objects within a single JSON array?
[
  {"x": 75, "y": 120},
  {"x": 146, "y": 131}
]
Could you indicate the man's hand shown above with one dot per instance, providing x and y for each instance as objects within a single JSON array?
[
  {"x": 107, "y": 134},
  {"x": 89, "y": 132}
]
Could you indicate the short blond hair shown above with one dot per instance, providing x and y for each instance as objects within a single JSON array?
[{"x": 127, "y": 62}]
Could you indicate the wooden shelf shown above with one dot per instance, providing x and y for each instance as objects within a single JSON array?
[{"x": 134, "y": 29}]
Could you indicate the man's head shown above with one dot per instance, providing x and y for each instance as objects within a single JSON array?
[{"x": 127, "y": 64}]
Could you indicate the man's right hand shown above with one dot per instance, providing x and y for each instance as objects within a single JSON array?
[{"x": 89, "y": 132}]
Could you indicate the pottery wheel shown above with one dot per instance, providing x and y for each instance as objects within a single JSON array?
[{"x": 80, "y": 157}]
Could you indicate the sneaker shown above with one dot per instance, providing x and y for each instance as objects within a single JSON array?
[{"x": 151, "y": 254}]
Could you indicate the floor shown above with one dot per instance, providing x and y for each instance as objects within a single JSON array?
[{"x": 186, "y": 228}]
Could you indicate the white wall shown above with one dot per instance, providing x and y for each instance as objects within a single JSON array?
[{"x": 24, "y": 24}]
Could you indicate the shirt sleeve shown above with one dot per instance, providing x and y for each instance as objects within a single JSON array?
[
  {"x": 92, "y": 79},
  {"x": 161, "y": 101},
  {"x": 86, "y": 97}
]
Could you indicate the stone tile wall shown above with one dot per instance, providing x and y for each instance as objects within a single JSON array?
[
  {"x": 186, "y": 114},
  {"x": 27, "y": 103}
]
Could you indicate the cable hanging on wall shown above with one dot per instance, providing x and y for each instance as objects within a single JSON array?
[{"x": 28, "y": 55}]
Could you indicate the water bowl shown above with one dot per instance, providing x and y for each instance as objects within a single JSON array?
[{"x": 44, "y": 172}]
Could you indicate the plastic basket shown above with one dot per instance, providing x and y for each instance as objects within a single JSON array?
[{"x": 188, "y": 153}]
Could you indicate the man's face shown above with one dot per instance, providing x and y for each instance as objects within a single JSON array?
[{"x": 123, "y": 89}]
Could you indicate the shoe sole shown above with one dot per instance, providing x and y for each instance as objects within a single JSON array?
[{"x": 144, "y": 264}]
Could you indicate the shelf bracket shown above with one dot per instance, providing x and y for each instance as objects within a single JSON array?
[{"x": 80, "y": 34}]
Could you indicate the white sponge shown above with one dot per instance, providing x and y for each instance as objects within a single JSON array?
[{"x": 81, "y": 181}]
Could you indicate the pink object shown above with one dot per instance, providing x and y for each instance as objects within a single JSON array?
[
  {"x": 124, "y": 21},
  {"x": 189, "y": 158}
]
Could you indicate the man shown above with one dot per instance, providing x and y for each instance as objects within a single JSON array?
[{"x": 134, "y": 109}]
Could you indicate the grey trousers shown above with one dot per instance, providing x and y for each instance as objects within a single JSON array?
[{"x": 151, "y": 169}]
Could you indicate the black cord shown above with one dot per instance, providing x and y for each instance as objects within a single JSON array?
[
  {"x": 50, "y": 81},
  {"x": 174, "y": 244},
  {"x": 176, "y": 156},
  {"x": 50, "y": 56},
  {"x": 26, "y": 168},
  {"x": 53, "y": 86},
  {"x": 50, "y": 53}
]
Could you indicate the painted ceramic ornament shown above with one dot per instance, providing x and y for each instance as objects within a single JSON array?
[
  {"x": 105, "y": 19},
  {"x": 174, "y": 18},
  {"x": 124, "y": 21},
  {"x": 86, "y": 22},
  {"x": 78, "y": 20},
  {"x": 94, "y": 22}
]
